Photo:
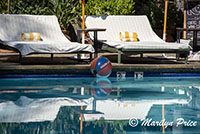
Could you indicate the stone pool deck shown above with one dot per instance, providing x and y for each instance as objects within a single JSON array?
[{"x": 42, "y": 64}]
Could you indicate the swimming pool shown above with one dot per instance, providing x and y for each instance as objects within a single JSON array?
[{"x": 115, "y": 105}]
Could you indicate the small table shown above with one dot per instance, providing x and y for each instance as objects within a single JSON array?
[
  {"x": 95, "y": 30},
  {"x": 195, "y": 30}
]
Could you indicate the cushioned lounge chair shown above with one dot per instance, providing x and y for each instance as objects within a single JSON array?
[
  {"x": 52, "y": 40},
  {"x": 148, "y": 42}
]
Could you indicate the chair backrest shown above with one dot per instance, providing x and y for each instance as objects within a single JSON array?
[
  {"x": 116, "y": 24},
  {"x": 12, "y": 26}
]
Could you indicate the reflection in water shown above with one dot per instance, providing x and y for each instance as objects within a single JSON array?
[
  {"x": 101, "y": 88},
  {"x": 54, "y": 105},
  {"x": 36, "y": 110}
]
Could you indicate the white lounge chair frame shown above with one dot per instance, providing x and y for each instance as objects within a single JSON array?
[
  {"x": 148, "y": 42},
  {"x": 53, "y": 40}
]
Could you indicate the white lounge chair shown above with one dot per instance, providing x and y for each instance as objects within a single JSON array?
[
  {"x": 148, "y": 42},
  {"x": 53, "y": 40}
]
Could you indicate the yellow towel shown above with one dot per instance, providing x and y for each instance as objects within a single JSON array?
[
  {"x": 30, "y": 36},
  {"x": 128, "y": 36}
]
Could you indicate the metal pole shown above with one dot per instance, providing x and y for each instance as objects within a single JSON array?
[{"x": 165, "y": 20}]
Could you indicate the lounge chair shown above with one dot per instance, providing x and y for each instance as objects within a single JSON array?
[
  {"x": 52, "y": 39},
  {"x": 148, "y": 42}
]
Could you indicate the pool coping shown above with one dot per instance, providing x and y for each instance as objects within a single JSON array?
[
  {"x": 70, "y": 68},
  {"x": 84, "y": 71}
]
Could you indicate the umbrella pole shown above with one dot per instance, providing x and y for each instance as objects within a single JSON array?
[
  {"x": 81, "y": 121},
  {"x": 164, "y": 32},
  {"x": 165, "y": 20},
  {"x": 83, "y": 56},
  {"x": 83, "y": 21}
]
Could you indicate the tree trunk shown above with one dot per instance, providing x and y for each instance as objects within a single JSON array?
[{"x": 8, "y": 6}]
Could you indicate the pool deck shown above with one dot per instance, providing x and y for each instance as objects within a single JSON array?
[{"x": 42, "y": 64}]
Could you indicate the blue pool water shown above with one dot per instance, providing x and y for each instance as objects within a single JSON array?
[{"x": 103, "y": 106}]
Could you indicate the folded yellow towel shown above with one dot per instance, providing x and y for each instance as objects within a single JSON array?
[
  {"x": 128, "y": 36},
  {"x": 30, "y": 36}
]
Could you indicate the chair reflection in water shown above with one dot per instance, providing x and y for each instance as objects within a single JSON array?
[{"x": 134, "y": 100}]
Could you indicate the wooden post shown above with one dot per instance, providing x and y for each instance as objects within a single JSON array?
[{"x": 184, "y": 20}]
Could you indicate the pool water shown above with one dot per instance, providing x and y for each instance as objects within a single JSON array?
[{"x": 102, "y": 106}]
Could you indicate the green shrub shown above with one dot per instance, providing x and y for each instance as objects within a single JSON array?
[
  {"x": 66, "y": 10},
  {"x": 34, "y": 7},
  {"x": 110, "y": 7},
  {"x": 155, "y": 12},
  {"x": 3, "y": 6}
]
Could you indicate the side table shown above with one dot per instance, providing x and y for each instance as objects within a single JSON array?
[
  {"x": 95, "y": 30},
  {"x": 195, "y": 30}
]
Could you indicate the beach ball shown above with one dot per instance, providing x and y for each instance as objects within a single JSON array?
[
  {"x": 101, "y": 67},
  {"x": 101, "y": 88}
]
